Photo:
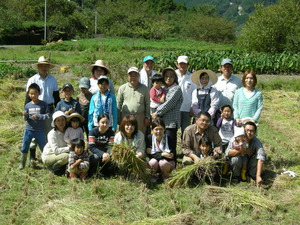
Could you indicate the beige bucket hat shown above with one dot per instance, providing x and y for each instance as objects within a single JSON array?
[
  {"x": 43, "y": 61},
  {"x": 212, "y": 76},
  {"x": 99, "y": 63}
]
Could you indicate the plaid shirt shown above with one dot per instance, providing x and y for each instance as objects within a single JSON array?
[
  {"x": 170, "y": 109},
  {"x": 84, "y": 156}
]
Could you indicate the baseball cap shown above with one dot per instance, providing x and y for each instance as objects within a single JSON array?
[
  {"x": 148, "y": 58},
  {"x": 133, "y": 69},
  {"x": 183, "y": 59},
  {"x": 226, "y": 61},
  {"x": 102, "y": 77},
  {"x": 67, "y": 85},
  {"x": 84, "y": 82}
]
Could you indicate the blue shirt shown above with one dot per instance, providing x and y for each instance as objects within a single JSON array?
[
  {"x": 64, "y": 106},
  {"x": 42, "y": 112}
]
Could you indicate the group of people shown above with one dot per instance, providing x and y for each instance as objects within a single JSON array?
[{"x": 217, "y": 115}]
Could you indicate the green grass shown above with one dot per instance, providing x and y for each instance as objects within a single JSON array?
[{"x": 35, "y": 196}]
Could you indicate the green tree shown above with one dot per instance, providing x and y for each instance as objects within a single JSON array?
[{"x": 274, "y": 28}]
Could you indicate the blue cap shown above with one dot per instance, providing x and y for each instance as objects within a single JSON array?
[
  {"x": 226, "y": 61},
  {"x": 148, "y": 58}
]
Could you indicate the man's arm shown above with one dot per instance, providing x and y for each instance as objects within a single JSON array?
[{"x": 259, "y": 169}]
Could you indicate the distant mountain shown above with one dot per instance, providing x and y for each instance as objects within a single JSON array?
[{"x": 234, "y": 10}]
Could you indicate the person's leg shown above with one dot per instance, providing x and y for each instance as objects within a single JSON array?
[
  {"x": 166, "y": 167},
  {"x": 28, "y": 136},
  {"x": 185, "y": 121},
  {"x": 252, "y": 167},
  {"x": 172, "y": 133},
  {"x": 59, "y": 160},
  {"x": 40, "y": 138},
  {"x": 153, "y": 163},
  {"x": 94, "y": 163},
  {"x": 236, "y": 164}
]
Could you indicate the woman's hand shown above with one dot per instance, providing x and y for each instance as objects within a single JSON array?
[
  {"x": 167, "y": 155},
  {"x": 139, "y": 155},
  {"x": 105, "y": 157}
]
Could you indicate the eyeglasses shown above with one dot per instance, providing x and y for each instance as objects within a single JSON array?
[
  {"x": 250, "y": 131},
  {"x": 204, "y": 121}
]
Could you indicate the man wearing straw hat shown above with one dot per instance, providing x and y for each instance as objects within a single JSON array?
[
  {"x": 49, "y": 93},
  {"x": 133, "y": 98}
]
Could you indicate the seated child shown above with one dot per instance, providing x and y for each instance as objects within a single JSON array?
[
  {"x": 74, "y": 129},
  {"x": 84, "y": 99},
  {"x": 157, "y": 93},
  {"x": 35, "y": 113},
  {"x": 239, "y": 144},
  {"x": 103, "y": 102},
  {"x": 68, "y": 105},
  {"x": 78, "y": 160}
]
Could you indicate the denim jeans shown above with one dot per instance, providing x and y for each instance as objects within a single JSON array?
[{"x": 39, "y": 136}]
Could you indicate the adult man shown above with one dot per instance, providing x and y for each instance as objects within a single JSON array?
[
  {"x": 147, "y": 72},
  {"x": 49, "y": 92},
  {"x": 133, "y": 98},
  {"x": 194, "y": 133},
  {"x": 254, "y": 150},
  {"x": 187, "y": 87},
  {"x": 227, "y": 83}
]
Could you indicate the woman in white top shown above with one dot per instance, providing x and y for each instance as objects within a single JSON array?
[{"x": 56, "y": 152}]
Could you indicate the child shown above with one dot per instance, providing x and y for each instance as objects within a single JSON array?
[
  {"x": 157, "y": 93},
  {"x": 68, "y": 105},
  {"x": 78, "y": 160},
  {"x": 239, "y": 144},
  {"x": 226, "y": 124},
  {"x": 103, "y": 102},
  {"x": 74, "y": 130},
  {"x": 35, "y": 113},
  {"x": 84, "y": 99},
  {"x": 205, "y": 148}
]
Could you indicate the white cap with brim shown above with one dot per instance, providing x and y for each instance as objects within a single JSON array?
[
  {"x": 133, "y": 69},
  {"x": 238, "y": 131},
  {"x": 213, "y": 78},
  {"x": 102, "y": 77},
  {"x": 183, "y": 59},
  {"x": 56, "y": 115},
  {"x": 226, "y": 61},
  {"x": 43, "y": 61}
]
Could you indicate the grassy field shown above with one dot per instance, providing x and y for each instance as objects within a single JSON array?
[{"x": 35, "y": 196}]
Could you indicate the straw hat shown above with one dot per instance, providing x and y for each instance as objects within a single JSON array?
[
  {"x": 99, "y": 63},
  {"x": 73, "y": 115},
  {"x": 212, "y": 76},
  {"x": 43, "y": 61}
]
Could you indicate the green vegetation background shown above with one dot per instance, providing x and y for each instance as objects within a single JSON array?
[{"x": 35, "y": 196}]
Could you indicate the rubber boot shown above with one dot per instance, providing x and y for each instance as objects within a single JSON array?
[
  {"x": 225, "y": 169},
  {"x": 243, "y": 175},
  {"x": 32, "y": 162},
  {"x": 23, "y": 161}
]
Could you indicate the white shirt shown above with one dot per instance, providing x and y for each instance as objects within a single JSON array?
[
  {"x": 144, "y": 79},
  {"x": 227, "y": 89},
  {"x": 187, "y": 88},
  {"x": 47, "y": 86}
]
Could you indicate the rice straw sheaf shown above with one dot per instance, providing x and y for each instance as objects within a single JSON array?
[
  {"x": 181, "y": 177},
  {"x": 125, "y": 155}
]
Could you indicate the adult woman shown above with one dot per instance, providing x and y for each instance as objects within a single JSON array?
[
  {"x": 248, "y": 100},
  {"x": 158, "y": 145},
  {"x": 98, "y": 69},
  {"x": 169, "y": 111},
  {"x": 131, "y": 136},
  {"x": 56, "y": 152},
  {"x": 100, "y": 140},
  {"x": 205, "y": 98}
]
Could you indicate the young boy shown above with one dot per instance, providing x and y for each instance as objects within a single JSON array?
[
  {"x": 157, "y": 93},
  {"x": 68, "y": 105},
  {"x": 103, "y": 102},
  {"x": 35, "y": 113},
  {"x": 84, "y": 99}
]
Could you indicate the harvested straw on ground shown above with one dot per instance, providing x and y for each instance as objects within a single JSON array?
[
  {"x": 181, "y": 177},
  {"x": 125, "y": 155}
]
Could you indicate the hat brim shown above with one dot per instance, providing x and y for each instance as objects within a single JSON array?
[
  {"x": 212, "y": 76},
  {"x": 90, "y": 68},
  {"x": 73, "y": 115},
  {"x": 35, "y": 66}
]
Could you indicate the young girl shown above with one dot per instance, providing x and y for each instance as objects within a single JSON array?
[
  {"x": 239, "y": 143},
  {"x": 157, "y": 93},
  {"x": 162, "y": 156},
  {"x": 205, "y": 98},
  {"x": 131, "y": 136},
  {"x": 74, "y": 130},
  {"x": 103, "y": 102},
  {"x": 35, "y": 113},
  {"x": 205, "y": 148},
  {"x": 78, "y": 159},
  {"x": 101, "y": 139},
  {"x": 226, "y": 124}
]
